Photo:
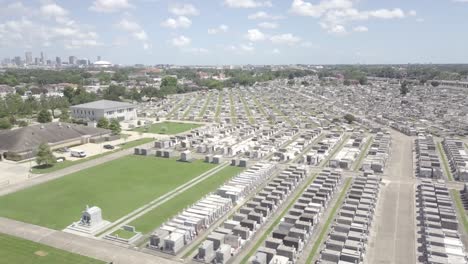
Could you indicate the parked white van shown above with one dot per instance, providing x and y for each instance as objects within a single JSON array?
[{"x": 77, "y": 153}]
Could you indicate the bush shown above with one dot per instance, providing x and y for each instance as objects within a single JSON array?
[{"x": 5, "y": 123}]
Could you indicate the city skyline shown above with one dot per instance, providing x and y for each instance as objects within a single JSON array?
[{"x": 237, "y": 32}]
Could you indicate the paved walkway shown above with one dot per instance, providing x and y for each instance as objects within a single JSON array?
[
  {"x": 393, "y": 238},
  {"x": 77, "y": 244}
]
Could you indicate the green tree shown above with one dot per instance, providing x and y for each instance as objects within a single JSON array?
[
  {"x": 44, "y": 156},
  {"x": 114, "y": 126},
  {"x": 69, "y": 93},
  {"x": 349, "y": 118},
  {"x": 44, "y": 116},
  {"x": 114, "y": 92},
  {"x": 5, "y": 123},
  {"x": 404, "y": 89},
  {"x": 363, "y": 80},
  {"x": 64, "y": 116},
  {"x": 103, "y": 123},
  {"x": 435, "y": 83}
]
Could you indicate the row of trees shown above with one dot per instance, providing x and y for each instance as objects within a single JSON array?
[{"x": 112, "y": 125}]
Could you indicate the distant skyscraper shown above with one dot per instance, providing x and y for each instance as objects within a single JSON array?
[
  {"x": 72, "y": 60},
  {"x": 18, "y": 60},
  {"x": 98, "y": 58},
  {"x": 58, "y": 61},
  {"x": 36, "y": 61},
  {"x": 28, "y": 57},
  {"x": 43, "y": 59}
]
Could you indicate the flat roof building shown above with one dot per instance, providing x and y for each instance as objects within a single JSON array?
[{"x": 104, "y": 108}]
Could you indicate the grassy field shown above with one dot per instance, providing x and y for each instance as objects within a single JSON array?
[
  {"x": 168, "y": 128},
  {"x": 68, "y": 163},
  {"x": 21, "y": 251},
  {"x": 160, "y": 214},
  {"x": 118, "y": 187},
  {"x": 122, "y": 233}
]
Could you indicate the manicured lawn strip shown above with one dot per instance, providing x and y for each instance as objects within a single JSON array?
[
  {"x": 218, "y": 107},
  {"x": 247, "y": 109},
  {"x": 118, "y": 187},
  {"x": 444, "y": 161},
  {"x": 68, "y": 163},
  {"x": 168, "y": 128},
  {"x": 154, "y": 218},
  {"x": 363, "y": 154},
  {"x": 460, "y": 208},
  {"x": 330, "y": 218},
  {"x": 261, "y": 239},
  {"x": 122, "y": 233},
  {"x": 18, "y": 250},
  {"x": 176, "y": 107},
  {"x": 203, "y": 110},
  {"x": 233, "y": 109},
  {"x": 187, "y": 111}
]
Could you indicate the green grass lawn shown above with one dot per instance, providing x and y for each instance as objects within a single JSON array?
[
  {"x": 118, "y": 187},
  {"x": 68, "y": 163},
  {"x": 168, "y": 128},
  {"x": 122, "y": 233},
  {"x": 17, "y": 250},
  {"x": 160, "y": 214},
  {"x": 445, "y": 164},
  {"x": 460, "y": 209}
]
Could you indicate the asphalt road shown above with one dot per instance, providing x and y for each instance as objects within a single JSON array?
[
  {"x": 93, "y": 248},
  {"x": 393, "y": 238}
]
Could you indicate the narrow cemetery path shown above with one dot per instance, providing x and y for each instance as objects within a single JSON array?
[
  {"x": 218, "y": 106},
  {"x": 176, "y": 107},
  {"x": 393, "y": 238},
  {"x": 77, "y": 244},
  {"x": 205, "y": 105},
  {"x": 232, "y": 107},
  {"x": 60, "y": 173},
  {"x": 246, "y": 107}
]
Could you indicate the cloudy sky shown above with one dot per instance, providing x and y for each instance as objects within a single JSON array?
[{"x": 238, "y": 31}]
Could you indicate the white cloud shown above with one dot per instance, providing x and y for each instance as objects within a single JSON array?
[
  {"x": 53, "y": 10},
  {"x": 135, "y": 30},
  {"x": 268, "y": 25},
  {"x": 334, "y": 15},
  {"x": 255, "y": 35},
  {"x": 264, "y": 15},
  {"x": 179, "y": 22},
  {"x": 220, "y": 29},
  {"x": 109, "y": 6},
  {"x": 197, "y": 50},
  {"x": 307, "y": 44},
  {"x": 181, "y": 41},
  {"x": 276, "y": 51},
  {"x": 28, "y": 33},
  {"x": 288, "y": 39},
  {"x": 412, "y": 13},
  {"x": 247, "y": 47},
  {"x": 247, "y": 3},
  {"x": 184, "y": 10},
  {"x": 360, "y": 29}
]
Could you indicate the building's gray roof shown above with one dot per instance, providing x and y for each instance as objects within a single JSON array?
[
  {"x": 30, "y": 137},
  {"x": 103, "y": 104}
]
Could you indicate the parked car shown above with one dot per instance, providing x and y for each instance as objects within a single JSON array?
[
  {"x": 108, "y": 146},
  {"x": 60, "y": 159},
  {"x": 77, "y": 153}
]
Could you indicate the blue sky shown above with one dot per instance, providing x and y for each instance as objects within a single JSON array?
[{"x": 238, "y": 31}]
